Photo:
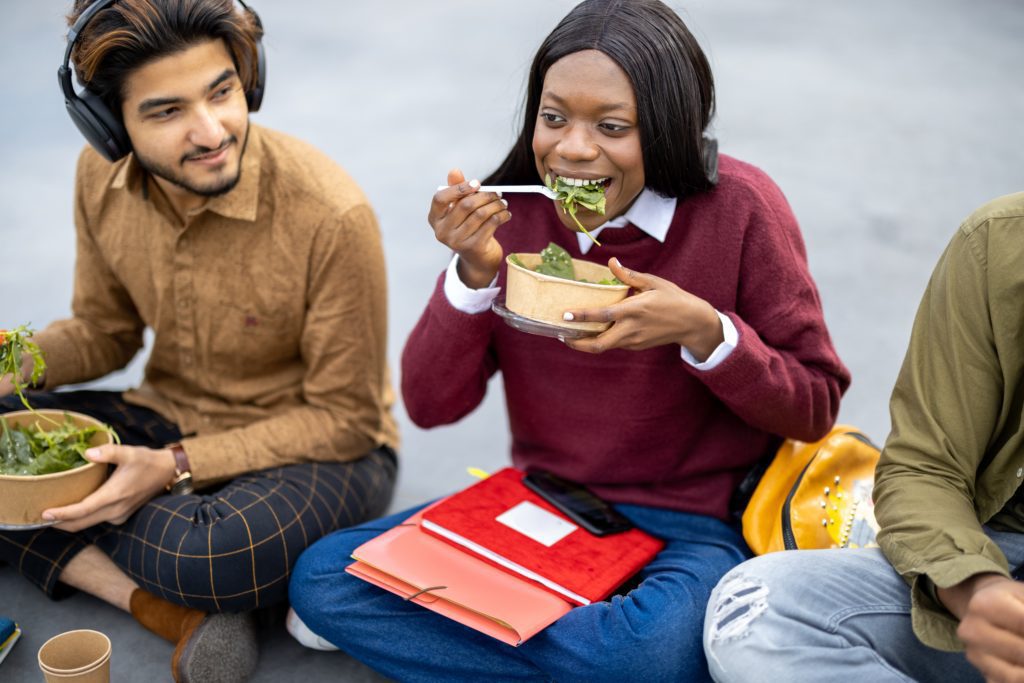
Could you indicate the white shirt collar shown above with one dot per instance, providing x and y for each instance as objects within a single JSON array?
[{"x": 651, "y": 212}]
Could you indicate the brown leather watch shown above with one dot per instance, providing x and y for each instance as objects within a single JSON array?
[{"x": 181, "y": 484}]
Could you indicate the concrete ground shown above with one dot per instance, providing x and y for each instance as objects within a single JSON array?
[{"x": 884, "y": 122}]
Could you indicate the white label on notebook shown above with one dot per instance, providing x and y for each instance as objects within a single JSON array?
[{"x": 537, "y": 523}]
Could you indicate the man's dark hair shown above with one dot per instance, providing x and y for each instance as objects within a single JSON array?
[
  {"x": 132, "y": 33},
  {"x": 671, "y": 78}
]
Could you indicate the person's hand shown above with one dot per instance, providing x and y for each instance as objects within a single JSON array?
[
  {"x": 464, "y": 220},
  {"x": 991, "y": 612},
  {"x": 139, "y": 475},
  {"x": 659, "y": 313},
  {"x": 7, "y": 381}
]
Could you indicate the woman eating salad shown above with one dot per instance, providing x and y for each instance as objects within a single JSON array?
[{"x": 720, "y": 353}]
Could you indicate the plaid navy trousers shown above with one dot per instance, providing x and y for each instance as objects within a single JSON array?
[{"x": 226, "y": 549}]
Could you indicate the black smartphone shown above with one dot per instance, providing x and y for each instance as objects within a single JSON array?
[{"x": 577, "y": 503}]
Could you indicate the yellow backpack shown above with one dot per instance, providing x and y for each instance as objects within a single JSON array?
[{"x": 815, "y": 495}]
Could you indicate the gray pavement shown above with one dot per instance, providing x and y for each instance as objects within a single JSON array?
[{"x": 885, "y": 123}]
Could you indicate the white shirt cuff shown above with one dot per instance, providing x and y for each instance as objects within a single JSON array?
[
  {"x": 730, "y": 338},
  {"x": 464, "y": 299}
]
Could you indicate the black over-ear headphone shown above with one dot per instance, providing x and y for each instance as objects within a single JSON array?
[{"x": 100, "y": 126}]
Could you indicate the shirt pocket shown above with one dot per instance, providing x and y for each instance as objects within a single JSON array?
[{"x": 249, "y": 342}]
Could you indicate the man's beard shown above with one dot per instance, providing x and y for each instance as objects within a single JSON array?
[{"x": 212, "y": 190}]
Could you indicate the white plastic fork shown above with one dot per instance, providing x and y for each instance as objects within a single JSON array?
[{"x": 539, "y": 189}]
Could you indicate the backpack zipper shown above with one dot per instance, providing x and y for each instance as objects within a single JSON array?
[{"x": 788, "y": 539}]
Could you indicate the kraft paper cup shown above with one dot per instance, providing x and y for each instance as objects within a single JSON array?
[
  {"x": 546, "y": 298},
  {"x": 81, "y": 656}
]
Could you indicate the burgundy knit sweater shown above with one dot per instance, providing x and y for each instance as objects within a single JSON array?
[{"x": 645, "y": 427}]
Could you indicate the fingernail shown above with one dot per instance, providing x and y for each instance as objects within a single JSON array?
[
  {"x": 92, "y": 452},
  {"x": 567, "y": 316},
  {"x": 617, "y": 261},
  {"x": 561, "y": 339},
  {"x": 48, "y": 517},
  {"x": 475, "y": 184},
  {"x": 505, "y": 202},
  {"x": 499, "y": 197}
]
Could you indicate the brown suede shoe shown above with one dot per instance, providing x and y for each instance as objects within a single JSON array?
[{"x": 209, "y": 648}]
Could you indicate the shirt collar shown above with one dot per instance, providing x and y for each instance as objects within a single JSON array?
[
  {"x": 651, "y": 212},
  {"x": 129, "y": 173},
  {"x": 241, "y": 202}
]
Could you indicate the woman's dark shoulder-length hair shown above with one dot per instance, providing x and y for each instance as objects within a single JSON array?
[{"x": 672, "y": 82}]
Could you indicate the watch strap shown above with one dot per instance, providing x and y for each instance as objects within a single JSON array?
[{"x": 181, "y": 484}]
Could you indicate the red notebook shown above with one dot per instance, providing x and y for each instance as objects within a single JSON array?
[{"x": 507, "y": 524}]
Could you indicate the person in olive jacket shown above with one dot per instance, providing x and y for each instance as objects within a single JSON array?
[{"x": 939, "y": 600}]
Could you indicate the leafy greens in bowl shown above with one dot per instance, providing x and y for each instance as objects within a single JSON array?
[
  {"x": 41, "y": 451},
  {"x": 38, "y": 449},
  {"x": 24, "y": 496},
  {"x": 544, "y": 286}
]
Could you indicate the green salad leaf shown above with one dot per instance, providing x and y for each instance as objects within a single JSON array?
[
  {"x": 33, "y": 450},
  {"x": 37, "y": 449},
  {"x": 14, "y": 344},
  {"x": 589, "y": 196},
  {"x": 556, "y": 262}
]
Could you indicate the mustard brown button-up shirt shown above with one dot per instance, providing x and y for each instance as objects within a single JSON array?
[
  {"x": 955, "y": 457},
  {"x": 268, "y": 303}
]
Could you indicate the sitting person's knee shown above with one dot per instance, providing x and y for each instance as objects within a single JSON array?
[{"x": 738, "y": 600}]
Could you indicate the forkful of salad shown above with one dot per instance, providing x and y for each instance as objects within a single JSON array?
[{"x": 570, "y": 192}]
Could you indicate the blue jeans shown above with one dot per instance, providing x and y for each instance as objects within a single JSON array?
[
  {"x": 826, "y": 615},
  {"x": 653, "y": 633}
]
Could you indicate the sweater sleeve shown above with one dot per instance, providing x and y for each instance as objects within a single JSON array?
[
  {"x": 105, "y": 330},
  {"x": 784, "y": 375},
  {"x": 944, "y": 408},
  {"x": 446, "y": 362}
]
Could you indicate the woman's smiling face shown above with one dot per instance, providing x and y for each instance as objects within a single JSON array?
[{"x": 587, "y": 130}]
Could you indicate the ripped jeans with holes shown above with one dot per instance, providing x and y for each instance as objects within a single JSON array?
[{"x": 825, "y": 615}]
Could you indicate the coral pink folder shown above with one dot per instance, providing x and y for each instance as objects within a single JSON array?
[{"x": 430, "y": 572}]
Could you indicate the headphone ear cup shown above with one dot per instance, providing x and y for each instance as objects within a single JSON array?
[
  {"x": 254, "y": 98},
  {"x": 99, "y": 126},
  {"x": 710, "y": 153}
]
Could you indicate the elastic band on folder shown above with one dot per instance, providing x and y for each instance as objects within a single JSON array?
[
  {"x": 425, "y": 590},
  {"x": 385, "y": 528}
]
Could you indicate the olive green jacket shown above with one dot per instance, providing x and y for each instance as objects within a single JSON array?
[{"x": 955, "y": 456}]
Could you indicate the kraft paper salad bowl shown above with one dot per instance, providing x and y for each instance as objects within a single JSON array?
[
  {"x": 546, "y": 298},
  {"x": 24, "y": 497}
]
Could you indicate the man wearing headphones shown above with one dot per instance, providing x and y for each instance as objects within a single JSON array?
[{"x": 257, "y": 263}]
